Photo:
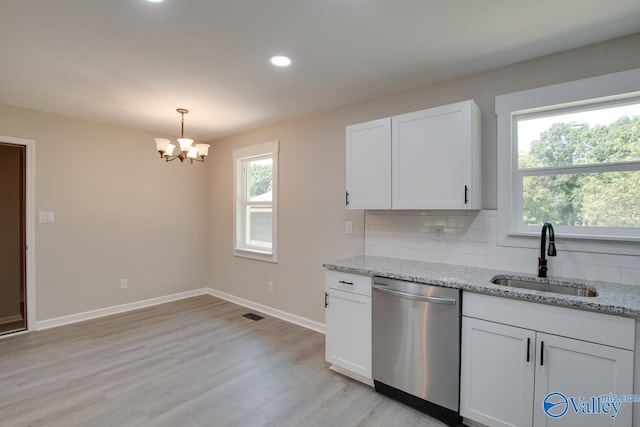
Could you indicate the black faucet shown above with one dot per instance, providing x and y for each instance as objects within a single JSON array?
[{"x": 542, "y": 261}]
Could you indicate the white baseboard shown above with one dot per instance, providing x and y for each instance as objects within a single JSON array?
[
  {"x": 107, "y": 311},
  {"x": 291, "y": 318}
]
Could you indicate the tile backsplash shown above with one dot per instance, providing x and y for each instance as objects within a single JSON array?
[{"x": 469, "y": 238}]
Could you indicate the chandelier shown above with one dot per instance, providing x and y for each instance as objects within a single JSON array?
[{"x": 187, "y": 151}]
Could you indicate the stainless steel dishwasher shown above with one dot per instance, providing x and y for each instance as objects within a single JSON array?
[{"x": 416, "y": 346}]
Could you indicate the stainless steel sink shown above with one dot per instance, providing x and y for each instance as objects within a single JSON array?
[{"x": 574, "y": 289}]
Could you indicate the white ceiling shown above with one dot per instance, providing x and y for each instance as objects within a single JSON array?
[{"x": 132, "y": 62}]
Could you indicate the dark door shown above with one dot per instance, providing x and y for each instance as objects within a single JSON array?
[{"x": 12, "y": 238}]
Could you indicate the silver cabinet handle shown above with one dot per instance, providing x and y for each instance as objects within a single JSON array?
[
  {"x": 435, "y": 300},
  {"x": 345, "y": 283}
]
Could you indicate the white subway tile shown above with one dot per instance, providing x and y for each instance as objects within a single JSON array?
[
  {"x": 523, "y": 265},
  {"x": 571, "y": 257},
  {"x": 403, "y": 242},
  {"x": 627, "y": 261},
  {"x": 413, "y": 254},
  {"x": 415, "y": 232},
  {"x": 452, "y": 233},
  {"x": 373, "y": 250},
  {"x": 488, "y": 261},
  {"x": 488, "y": 212},
  {"x": 455, "y": 221},
  {"x": 582, "y": 271},
  {"x": 470, "y": 239},
  {"x": 431, "y": 221},
  {"x": 484, "y": 222},
  {"x": 429, "y": 245},
  {"x": 458, "y": 213},
  {"x": 388, "y": 251},
  {"x": 487, "y": 235},
  {"x": 447, "y": 258},
  {"x": 401, "y": 220},
  {"x": 466, "y": 247},
  {"x": 630, "y": 276},
  {"x": 378, "y": 229},
  {"x": 375, "y": 240},
  {"x": 493, "y": 249}
]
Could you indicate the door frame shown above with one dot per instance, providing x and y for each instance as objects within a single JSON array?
[{"x": 30, "y": 225}]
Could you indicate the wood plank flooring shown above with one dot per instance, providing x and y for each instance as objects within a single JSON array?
[{"x": 194, "y": 362}]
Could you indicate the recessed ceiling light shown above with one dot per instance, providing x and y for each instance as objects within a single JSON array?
[
  {"x": 155, "y": 1},
  {"x": 280, "y": 61}
]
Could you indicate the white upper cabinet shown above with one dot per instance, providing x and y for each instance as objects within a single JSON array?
[
  {"x": 427, "y": 159},
  {"x": 436, "y": 158},
  {"x": 368, "y": 165}
]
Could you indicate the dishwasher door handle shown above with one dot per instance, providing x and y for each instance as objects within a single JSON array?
[{"x": 435, "y": 300}]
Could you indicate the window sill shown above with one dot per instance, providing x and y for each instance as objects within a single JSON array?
[
  {"x": 615, "y": 245},
  {"x": 256, "y": 254},
  {"x": 601, "y": 238}
]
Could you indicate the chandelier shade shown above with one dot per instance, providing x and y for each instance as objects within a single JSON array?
[{"x": 192, "y": 153}]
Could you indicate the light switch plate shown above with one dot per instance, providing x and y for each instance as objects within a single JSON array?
[
  {"x": 348, "y": 227},
  {"x": 46, "y": 217}
]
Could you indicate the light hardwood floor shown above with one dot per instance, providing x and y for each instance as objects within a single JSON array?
[{"x": 194, "y": 362}]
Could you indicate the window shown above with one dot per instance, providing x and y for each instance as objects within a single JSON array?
[
  {"x": 570, "y": 154},
  {"x": 255, "y": 207},
  {"x": 579, "y": 168}
]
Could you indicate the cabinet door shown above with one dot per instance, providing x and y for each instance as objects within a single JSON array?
[
  {"x": 496, "y": 380},
  {"x": 348, "y": 331},
  {"x": 369, "y": 165},
  {"x": 580, "y": 369},
  {"x": 432, "y": 158}
]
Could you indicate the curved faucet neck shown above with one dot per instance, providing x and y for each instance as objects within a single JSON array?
[{"x": 542, "y": 261}]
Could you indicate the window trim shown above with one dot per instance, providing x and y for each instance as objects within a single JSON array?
[
  {"x": 611, "y": 87},
  {"x": 269, "y": 149}
]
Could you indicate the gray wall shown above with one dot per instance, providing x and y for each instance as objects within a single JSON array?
[
  {"x": 120, "y": 213},
  {"x": 312, "y": 174}
]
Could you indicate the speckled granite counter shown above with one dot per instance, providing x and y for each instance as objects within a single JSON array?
[{"x": 612, "y": 298}]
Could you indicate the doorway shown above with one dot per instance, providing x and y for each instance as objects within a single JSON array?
[{"x": 13, "y": 246}]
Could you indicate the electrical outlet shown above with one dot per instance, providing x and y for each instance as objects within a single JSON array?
[
  {"x": 270, "y": 286},
  {"x": 124, "y": 284},
  {"x": 438, "y": 232}
]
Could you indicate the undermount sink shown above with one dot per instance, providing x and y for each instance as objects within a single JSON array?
[{"x": 574, "y": 289}]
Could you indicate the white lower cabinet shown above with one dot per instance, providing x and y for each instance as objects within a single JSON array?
[
  {"x": 496, "y": 385},
  {"x": 509, "y": 372},
  {"x": 348, "y": 324},
  {"x": 581, "y": 369}
]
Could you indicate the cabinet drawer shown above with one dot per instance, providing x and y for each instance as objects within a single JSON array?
[{"x": 347, "y": 282}]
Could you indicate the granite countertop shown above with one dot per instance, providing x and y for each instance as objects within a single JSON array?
[{"x": 613, "y": 298}]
